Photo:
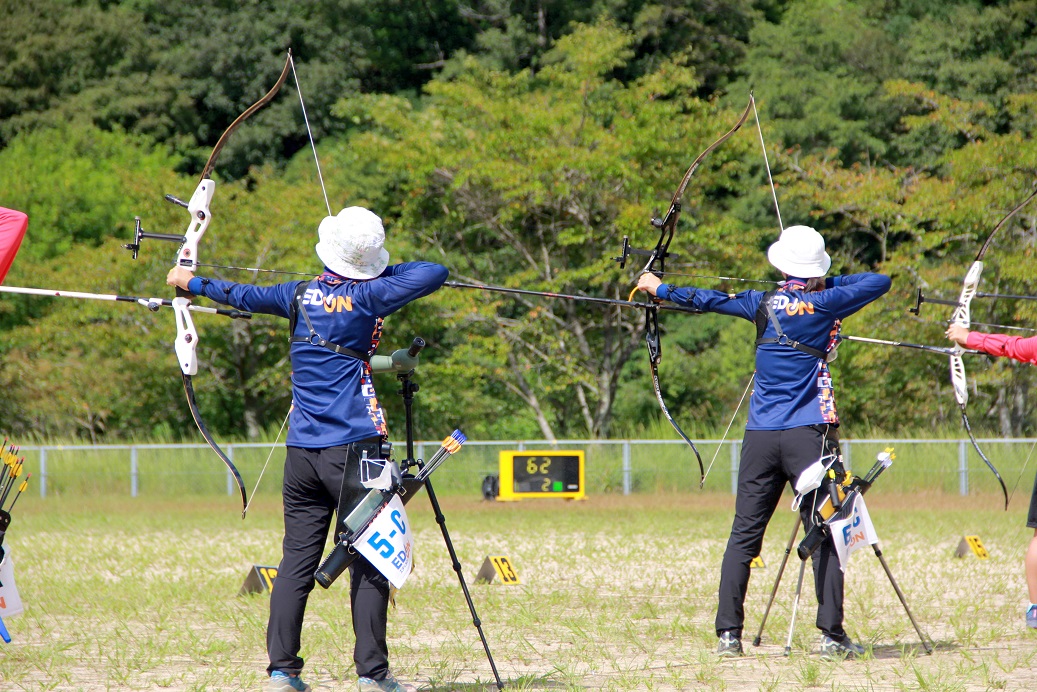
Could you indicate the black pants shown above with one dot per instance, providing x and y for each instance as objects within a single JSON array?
[
  {"x": 313, "y": 479},
  {"x": 770, "y": 458}
]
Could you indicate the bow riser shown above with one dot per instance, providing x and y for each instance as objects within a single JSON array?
[
  {"x": 655, "y": 355},
  {"x": 186, "y": 344},
  {"x": 962, "y": 316},
  {"x": 198, "y": 207},
  {"x": 961, "y": 388}
]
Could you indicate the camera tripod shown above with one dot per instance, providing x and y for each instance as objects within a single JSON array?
[{"x": 343, "y": 554}]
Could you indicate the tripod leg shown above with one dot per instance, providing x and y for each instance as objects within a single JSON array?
[
  {"x": 441, "y": 520},
  {"x": 900, "y": 594},
  {"x": 777, "y": 579},
  {"x": 795, "y": 606}
]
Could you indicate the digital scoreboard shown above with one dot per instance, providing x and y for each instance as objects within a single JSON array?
[{"x": 529, "y": 474}]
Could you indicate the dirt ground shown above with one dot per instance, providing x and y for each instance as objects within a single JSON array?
[{"x": 616, "y": 593}]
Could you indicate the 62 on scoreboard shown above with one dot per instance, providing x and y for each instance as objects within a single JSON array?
[{"x": 534, "y": 473}]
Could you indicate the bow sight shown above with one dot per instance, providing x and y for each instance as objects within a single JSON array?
[
  {"x": 140, "y": 234},
  {"x": 626, "y": 250},
  {"x": 922, "y": 298}
]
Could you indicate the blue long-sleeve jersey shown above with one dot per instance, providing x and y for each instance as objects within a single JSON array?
[
  {"x": 793, "y": 388},
  {"x": 333, "y": 394}
]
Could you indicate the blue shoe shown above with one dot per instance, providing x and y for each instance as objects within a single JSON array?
[
  {"x": 1031, "y": 617},
  {"x": 283, "y": 682}
]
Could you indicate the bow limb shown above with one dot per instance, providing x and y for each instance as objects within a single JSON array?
[
  {"x": 266, "y": 98},
  {"x": 668, "y": 224},
  {"x": 961, "y": 394},
  {"x": 192, "y": 403},
  {"x": 657, "y": 264},
  {"x": 186, "y": 343},
  {"x": 962, "y": 317},
  {"x": 975, "y": 444},
  {"x": 1002, "y": 222},
  {"x": 654, "y": 357}
]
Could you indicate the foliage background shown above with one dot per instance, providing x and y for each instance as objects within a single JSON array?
[{"x": 516, "y": 143}]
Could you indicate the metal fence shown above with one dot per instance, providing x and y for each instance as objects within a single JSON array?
[{"x": 612, "y": 466}]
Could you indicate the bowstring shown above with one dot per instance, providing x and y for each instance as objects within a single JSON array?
[
  {"x": 268, "y": 457},
  {"x": 327, "y": 204},
  {"x": 309, "y": 133},
  {"x": 1019, "y": 478},
  {"x": 781, "y": 225},
  {"x": 767, "y": 163},
  {"x": 729, "y": 424}
]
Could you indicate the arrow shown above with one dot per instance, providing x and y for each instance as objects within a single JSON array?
[{"x": 567, "y": 296}]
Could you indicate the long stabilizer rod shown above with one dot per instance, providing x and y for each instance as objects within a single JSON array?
[
  {"x": 152, "y": 304},
  {"x": 903, "y": 344}
]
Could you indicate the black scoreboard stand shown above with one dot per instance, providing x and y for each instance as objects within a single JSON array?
[
  {"x": 536, "y": 474},
  {"x": 408, "y": 388}
]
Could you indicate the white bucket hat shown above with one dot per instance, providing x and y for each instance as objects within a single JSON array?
[
  {"x": 800, "y": 252},
  {"x": 352, "y": 243}
]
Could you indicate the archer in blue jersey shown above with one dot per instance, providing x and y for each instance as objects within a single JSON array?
[
  {"x": 793, "y": 388},
  {"x": 792, "y": 415},
  {"x": 333, "y": 396},
  {"x": 335, "y": 325}
]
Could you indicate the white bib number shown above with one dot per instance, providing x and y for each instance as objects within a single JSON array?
[
  {"x": 10, "y": 601},
  {"x": 388, "y": 543}
]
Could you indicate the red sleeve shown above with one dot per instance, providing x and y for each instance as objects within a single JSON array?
[
  {"x": 12, "y": 230},
  {"x": 1015, "y": 347}
]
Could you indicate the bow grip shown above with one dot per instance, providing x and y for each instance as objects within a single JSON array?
[
  {"x": 186, "y": 343},
  {"x": 652, "y": 334}
]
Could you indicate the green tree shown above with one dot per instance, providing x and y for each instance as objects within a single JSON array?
[
  {"x": 79, "y": 186},
  {"x": 511, "y": 180},
  {"x": 925, "y": 227},
  {"x": 75, "y": 368}
]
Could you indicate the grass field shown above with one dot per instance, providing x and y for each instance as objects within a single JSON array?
[{"x": 617, "y": 593}]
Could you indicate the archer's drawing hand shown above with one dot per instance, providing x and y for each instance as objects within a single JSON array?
[
  {"x": 179, "y": 276},
  {"x": 958, "y": 334},
  {"x": 649, "y": 283}
]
